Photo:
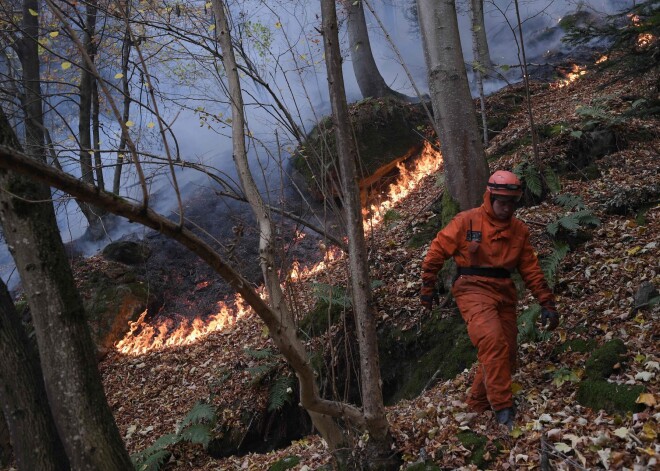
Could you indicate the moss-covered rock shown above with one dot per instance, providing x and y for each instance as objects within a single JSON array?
[
  {"x": 575, "y": 345},
  {"x": 410, "y": 359},
  {"x": 602, "y": 362},
  {"x": 114, "y": 295},
  {"x": 386, "y": 132},
  {"x": 478, "y": 446},
  {"x": 598, "y": 394}
]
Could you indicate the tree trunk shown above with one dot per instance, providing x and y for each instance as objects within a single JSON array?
[
  {"x": 284, "y": 333},
  {"x": 363, "y": 306},
  {"x": 87, "y": 147},
  {"x": 28, "y": 54},
  {"x": 479, "y": 38},
  {"x": 126, "y": 92},
  {"x": 369, "y": 79},
  {"x": 22, "y": 392},
  {"x": 466, "y": 170},
  {"x": 5, "y": 443},
  {"x": 33, "y": 434},
  {"x": 68, "y": 356}
]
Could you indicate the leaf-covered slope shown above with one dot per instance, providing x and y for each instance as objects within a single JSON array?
[{"x": 596, "y": 286}]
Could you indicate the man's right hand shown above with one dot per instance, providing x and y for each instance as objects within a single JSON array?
[{"x": 428, "y": 296}]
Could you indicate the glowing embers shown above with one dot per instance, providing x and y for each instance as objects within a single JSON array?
[
  {"x": 602, "y": 59},
  {"x": 575, "y": 73},
  {"x": 144, "y": 337},
  {"x": 428, "y": 162}
]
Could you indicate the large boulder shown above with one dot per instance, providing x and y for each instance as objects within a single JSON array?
[
  {"x": 114, "y": 295},
  {"x": 387, "y": 132}
]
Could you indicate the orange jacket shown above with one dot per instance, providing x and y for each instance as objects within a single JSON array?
[{"x": 503, "y": 244}]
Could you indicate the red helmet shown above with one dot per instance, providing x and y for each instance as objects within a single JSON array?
[{"x": 505, "y": 183}]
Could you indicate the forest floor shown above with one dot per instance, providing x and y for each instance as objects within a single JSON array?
[{"x": 595, "y": 286}]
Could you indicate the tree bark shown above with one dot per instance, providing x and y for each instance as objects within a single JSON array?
[
  {"x": 88, "y": 152},
  {"x": 466, "y": 170},
  {"x": 35, "y": 440},
  {"x": 363, "y": 305},
  {"x": 479, "y": 38},
  {"x": 68, "y": 357},
  {"x": 33, "y": 434},
  {"x": 369, "y": 79},
  {"x": 28, "y": 53}
]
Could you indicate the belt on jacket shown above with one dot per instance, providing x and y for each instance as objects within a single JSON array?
[{"x": 491, "y": 272}]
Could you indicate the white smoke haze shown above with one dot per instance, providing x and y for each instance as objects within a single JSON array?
[{"x": 293, "y": 67}]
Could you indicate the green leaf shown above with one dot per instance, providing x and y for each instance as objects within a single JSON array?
[
  {"x": 576, "y": 134},
  {"x": 197, "y": 433},
  {"x": 281, "y": 393},
  {"x": 201, "y": 412},
  {"x": 153, "y": 462},
  {"x": 259, "y": 354}
]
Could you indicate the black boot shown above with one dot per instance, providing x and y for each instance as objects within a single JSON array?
[{"x": 506, "y": 417}]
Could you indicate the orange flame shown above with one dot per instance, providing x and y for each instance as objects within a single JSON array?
[
  {"x": 601, "y": 59},
  {"x": 143, "y": 336},
  {"x": 426, "y": 164},
  {"x": 575, "y": 73}
]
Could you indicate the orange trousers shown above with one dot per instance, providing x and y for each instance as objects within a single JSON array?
[{"x": 493, "y": 330}]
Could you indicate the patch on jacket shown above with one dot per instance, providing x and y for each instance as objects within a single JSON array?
[{"x": 473, "y": 236}]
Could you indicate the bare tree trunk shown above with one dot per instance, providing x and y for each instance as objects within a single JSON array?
[
  {"x": 28, "y": 53},
  {"x": 285, "y": 334},
  {"x": 68, "y": 356},
  {"x": 96, "y": 136},
  {"x": 466, "y": 170},
  {"x": 23, "y": 402},
  {"x": 5, "y": 443},
  {"x": 363, "y": 305},
  {"x": 369, "y": 79},
  {"x": 87, "y": 147},
  {"x": 479, "y": 38},
  {"x": 479, "y": 70},
  {"x": 29, "y": 422},
  {"x": 125, "y": 56}
]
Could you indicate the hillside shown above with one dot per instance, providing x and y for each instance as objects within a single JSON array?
[{"x": 596, "y": 284}]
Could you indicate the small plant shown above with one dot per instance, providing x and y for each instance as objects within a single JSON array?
[
  {"x": 564, "y": 375},
  {"x": 527, "y": 330},
  {"x": 550, "y": 264},
  {"x": 535, "y": 180},
  {"x": 281, "y": 385},
  {"x": 195, "y": 427}
]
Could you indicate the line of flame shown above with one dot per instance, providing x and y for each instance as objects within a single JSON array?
[{"x": 143, "y": 337}]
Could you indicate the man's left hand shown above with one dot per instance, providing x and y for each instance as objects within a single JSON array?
[{"x": 549, "y": 317}]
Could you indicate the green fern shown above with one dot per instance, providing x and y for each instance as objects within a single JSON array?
[
  {"x": 196, "y": 427},
  {"x": 552, "y": 180},
  {"x": 259, "y": 354},
  {"x": 530, "y": 176},
  {"x": 332, "y": 294},
  {"x": 570, "y": 201},
  {"x": 200, "y": 413},
  {"x": 280, "y": 393},
  {"x": 197, "y": 433},
  {"x": 152, "y": 461},
  {"x": 261, "y": 372},
  {"x": 527, "y": 331},
  {"x": 550, "y": 264},
  {"x": 573, "y": 222}
]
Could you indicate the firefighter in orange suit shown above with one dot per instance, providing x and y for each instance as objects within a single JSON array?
[{"x": 488, "y": 243}]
